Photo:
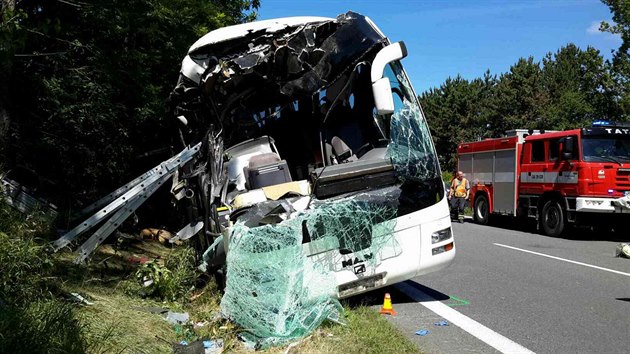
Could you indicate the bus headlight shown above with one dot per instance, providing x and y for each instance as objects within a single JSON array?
[{"x": 441, "y": 235}]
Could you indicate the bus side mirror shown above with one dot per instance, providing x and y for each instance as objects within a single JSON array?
[
  {"x": 381, "y": 88},
  {"x": 567, "y": 148}
]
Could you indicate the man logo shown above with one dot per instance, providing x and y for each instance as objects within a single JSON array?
[
  {"x": 360, "y": 269},
  {"x": 356, "y": 260}
]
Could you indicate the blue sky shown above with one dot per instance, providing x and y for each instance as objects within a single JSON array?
[{"x": 446, "y": 38}]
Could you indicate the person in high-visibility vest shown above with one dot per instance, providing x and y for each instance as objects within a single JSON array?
[{"x": 458, "y": 194}]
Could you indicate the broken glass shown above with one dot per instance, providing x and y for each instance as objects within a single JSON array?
[
  {"x": 275, "y": 291},
  {"x": 411, "y": 147}
]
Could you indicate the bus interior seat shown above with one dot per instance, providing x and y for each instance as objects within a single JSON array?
[
  {"x": 342, "y": 150},
  {"x": 266, "y": 170}
]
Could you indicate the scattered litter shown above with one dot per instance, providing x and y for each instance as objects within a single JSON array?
[
  {"x": 196, "y": 296},
  {"x": 177, "y": 317},
  {"x": 78, "y": 298},
  {"x": 146, "y": 281},
  {"x": 441, "y": 323},
  {"x": 195, "y": 347},
  {"x": 294, "y": 345},
  {"x": 157, "y": 310},
  {"x": 213, "y": 346},
  {"x": 623, "y": 250},
  {"x": 200, "y": 324},
  {"x": 138, "y": 259},
  {"x": 422, "y": 332},
  {"x": 160, "y": 235}
]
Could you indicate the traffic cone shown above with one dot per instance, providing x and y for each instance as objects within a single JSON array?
[{"x": 387, "y": 306}]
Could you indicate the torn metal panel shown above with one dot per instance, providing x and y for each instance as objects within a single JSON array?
[
  {"x": 260, "y": 67},
  {"x": 23, "y": 199}
]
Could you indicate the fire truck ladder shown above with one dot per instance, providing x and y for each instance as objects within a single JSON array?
[{"x": 116, "y": 207}]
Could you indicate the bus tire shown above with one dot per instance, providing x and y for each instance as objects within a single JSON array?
[
  {"x": 481, "y": 211},
  {"x": 552, "y": 218}
]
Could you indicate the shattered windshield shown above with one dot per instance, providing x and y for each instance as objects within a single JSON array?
[
  {"x": 411, "y": 148},
  {"x": 610, "y": 149}
]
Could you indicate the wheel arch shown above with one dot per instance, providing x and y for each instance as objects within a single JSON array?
[
  {"x": 479, "y": 191},
  {"x": 553, "y": 195}
]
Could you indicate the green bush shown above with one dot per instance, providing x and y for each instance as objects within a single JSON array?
[
  {"x": 173, "y": 280},
  {"x": 447, "y": 176}
]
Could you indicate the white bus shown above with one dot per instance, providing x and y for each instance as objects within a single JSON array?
[{"x": 329, "y": 170}]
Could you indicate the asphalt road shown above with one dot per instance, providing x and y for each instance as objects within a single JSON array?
[{"x": 546, "y": 305}]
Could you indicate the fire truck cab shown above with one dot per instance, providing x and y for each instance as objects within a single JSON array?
[{"x": 559, "y": 177}]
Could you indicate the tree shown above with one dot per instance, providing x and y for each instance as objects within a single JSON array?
[
  {"x": 458, "y": 111},
  {"x": 567, "y": 89},
  {"x": 621, "y": 58},
  {"x": 520, "y": 98},
  {"x": 579, "y": 86},
  {"x": 89, "y": 83},
  {"x": 9, "y": 38}
]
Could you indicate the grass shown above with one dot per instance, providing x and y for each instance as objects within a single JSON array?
[
  {"x": 118, "y": 317},
  {"x": 33, "y": 315},
  {"x": 136, "y": 331},
  {"x": 38, "y": 314},
  {"x": 367, "y": 332}
]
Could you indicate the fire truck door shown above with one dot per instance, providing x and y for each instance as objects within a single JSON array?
[
  {"x": 567, "y": 175},
  {"x": 533, "y": 168},
  {"x": 504, "y": 181}
]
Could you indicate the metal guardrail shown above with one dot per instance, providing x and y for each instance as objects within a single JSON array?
[{"x": 22, "y": 199}]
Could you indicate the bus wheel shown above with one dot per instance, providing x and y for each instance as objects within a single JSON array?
[
  {"x": 481, "y": 212},
  {"x": 552, "y": 218}
]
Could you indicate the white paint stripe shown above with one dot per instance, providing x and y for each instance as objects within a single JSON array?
[
  {"x": 481, "y": 332},
  {"x": 565, "y": 260}
]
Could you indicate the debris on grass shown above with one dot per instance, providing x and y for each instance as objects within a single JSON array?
[
  {"x": 80, "y": 299},
  {"x": 181, "y": 318},
  {"x": 623, "y": 250}
]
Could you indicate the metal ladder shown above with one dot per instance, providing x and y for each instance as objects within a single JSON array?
[{"x": 117, "y": 206}]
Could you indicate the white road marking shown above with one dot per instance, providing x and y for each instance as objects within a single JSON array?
[
  {"x": 564, "y": 260},
  {"x": 481, "y": 332}
]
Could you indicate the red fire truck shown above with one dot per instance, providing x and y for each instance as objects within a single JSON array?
[{"x": 577, "y": 176}]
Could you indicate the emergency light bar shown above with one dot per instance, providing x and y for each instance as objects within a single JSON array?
[
  {"x": 601, "y": 123},
  {"x": 607, "y": 123}
]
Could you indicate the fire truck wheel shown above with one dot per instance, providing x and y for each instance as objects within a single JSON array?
[
  {"x": 481, "y": 212},
  {"x": 552, "y": 218}
]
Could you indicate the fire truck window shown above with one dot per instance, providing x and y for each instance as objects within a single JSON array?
[
  {"x": 554, "y": 146},
  {"x": 538, "y": 151}
]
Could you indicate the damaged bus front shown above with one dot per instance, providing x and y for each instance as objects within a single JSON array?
[{"x": 329, "y": 184}]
